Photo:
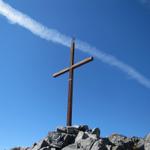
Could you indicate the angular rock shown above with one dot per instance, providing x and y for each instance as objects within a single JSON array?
[
  {"x": 68, "y": 139},
  {"x": 106, "y": 141},
  {"x": 99, "y": 145},
  {"x": 58, "y": 145},
  {"x": 147, "y": 142},
  {"x": 54, "y": 148},
  {"x": 71, "y": 147},
  {"x": 69, "y": 129},
  {"x": 54, "y": 136},
  {"x": 121, "y": 142},
  {"x": 117, "y": 139},
  {"x": 62, "y": 129},
  {"x": 72, "y": 130},
  {"x": 81, "y": 135},
  {"x": 119, "y": 147},
  {"x": 86, "y": 144},
  {"x": 93, "y": 136},
  {"x": 109, "y": 147},
  {"x": 41, "y": 144},
  {"x": 84, "y": 128},
  {"x": 46, "y": 148},
  {"x": 96, "y": 131},
  {"x": 128, "y": 143},
  {"x": 60, "y": 140},
  {"x": 56, "y": 139},
  {"x": 138, "y": 143}
]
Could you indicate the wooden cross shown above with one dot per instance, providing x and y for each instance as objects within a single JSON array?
[{"x": 71, "y": 75}]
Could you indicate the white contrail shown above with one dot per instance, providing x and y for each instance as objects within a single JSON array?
[{"x": 52, "y": 35}]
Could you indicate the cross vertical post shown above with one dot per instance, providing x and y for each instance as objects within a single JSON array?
[{"x": 70, "y": 89}]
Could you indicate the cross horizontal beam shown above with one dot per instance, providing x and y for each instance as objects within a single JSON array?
[{"x": 73, "y": 66}]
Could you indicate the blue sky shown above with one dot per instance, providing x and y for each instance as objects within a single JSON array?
[{"x": 33, "y": 103}]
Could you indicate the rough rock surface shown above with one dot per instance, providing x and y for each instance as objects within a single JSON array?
[{"x": 83, "y": 138}]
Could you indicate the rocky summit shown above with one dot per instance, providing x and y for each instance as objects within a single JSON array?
[{"x": 83, "y": 138}]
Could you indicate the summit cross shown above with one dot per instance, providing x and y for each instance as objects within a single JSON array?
[{"x": 70, "y": 80}]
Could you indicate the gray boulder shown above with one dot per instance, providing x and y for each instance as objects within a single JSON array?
[
  {"x": 46, "y": 148},
  {"x": 117, "y": 139},
  {"x": 96, "y": 131},
  {"x": 72, "y": 147},
  {"x": 56, "y": 139},
  {"x": 69, "y": 129},
  {"x": 40, "y": 145},
  {"x": 99, "y": 145},
  {"x": 147, "y": 142},
  {"x": 138, "y": 143},
  {"x": 86, "y": 144},
  {"x": 60, "y": 140},
  {"x": 72, "y": 130},
  {"x": 84, "y": 128},
  {"x": 81, "y": 135},
  {"x": 121, "y": 142}
]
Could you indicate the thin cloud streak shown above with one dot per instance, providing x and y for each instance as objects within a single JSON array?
[{"x": 17, "y": 17}]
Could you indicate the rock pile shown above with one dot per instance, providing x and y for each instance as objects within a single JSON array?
[{"x": 83, "y": 138}]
